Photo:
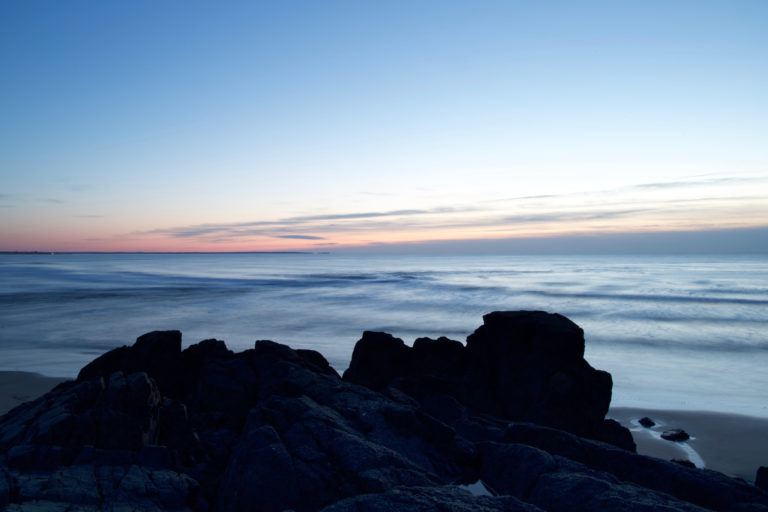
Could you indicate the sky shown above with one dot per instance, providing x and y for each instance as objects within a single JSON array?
[{"x": 362, "y": 126}]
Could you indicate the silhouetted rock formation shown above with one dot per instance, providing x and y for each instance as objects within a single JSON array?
[
  {"x": 152, "y": 427},
  {"x": 519, "y": 365}
]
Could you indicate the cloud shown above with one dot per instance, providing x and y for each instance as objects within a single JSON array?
[
  {"x": 301, "y": 237},
  {"x": 370, "y": 215},
  {"x": 695, "y": 183},
  {"x": 634, "y": 207},
  {"x": 271, "y": 228},
  {"x": 571, "y": 216}
]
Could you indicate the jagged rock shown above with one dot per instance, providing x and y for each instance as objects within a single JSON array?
[
  {"x": 156, "y": 353},
  {"x": 676, "y": 435},
  {"x": 520, "y": 365},
  {"x": 646, "y": 422},
  {"x": 150, "y": 427},
  {"x": 702, "y": 487}
]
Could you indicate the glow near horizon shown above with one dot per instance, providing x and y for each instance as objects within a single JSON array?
[{"x": 187, "y": 126}]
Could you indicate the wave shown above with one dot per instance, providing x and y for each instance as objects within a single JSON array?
[
  {"x": 647, "y": 297},
  {"x": 679, "y": 344}
]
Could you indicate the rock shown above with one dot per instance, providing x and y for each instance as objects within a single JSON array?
[
  {"x": 684, "y": 462},
  {"x": 612, "y": 432},
  {"x": 520, "y": 365},
  {"x": 156, "y": 353},
  {"x": 702, "y": 487},
  {"x": 529, "y": 365},
  {"x": 150, "y": 427},
  {"x": 646, "y": 422},
  {"x": 428, "y": 499},
  {"x": 761, "y": 478},
  {"x": 675, "y": 434},
  {"x": 377, "y": 359}
]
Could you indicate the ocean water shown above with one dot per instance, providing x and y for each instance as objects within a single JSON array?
[{"x": 676, "y": 332}]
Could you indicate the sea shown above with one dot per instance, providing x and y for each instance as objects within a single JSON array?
[{"x": 675, "y": 332}]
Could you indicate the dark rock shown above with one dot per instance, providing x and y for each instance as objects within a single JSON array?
[
  {"x": 157, "y": 353},
  {"x": 684, "y": 462},
  {"x": 428, "y": 499},
  {"x": 529, "y": 365},
  {"x": 675, "y": 434},
  {"x": 151, "y": 427},
  {"x": 702, "y": 487},
  {"x": 612, "y": 432},
  {"x": 318, "y": 360},
  {"x": 520, "y": 365},
  {"x": 646, "y": 422},
  {"x": 761, "y": 478},
  {"x": 377, "y": 358}
]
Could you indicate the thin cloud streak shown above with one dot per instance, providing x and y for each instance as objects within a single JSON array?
[
  {"x": 571, "y": 216},
  {"x": 301, "y": 237},
  {"x": 696, "y": 183}
]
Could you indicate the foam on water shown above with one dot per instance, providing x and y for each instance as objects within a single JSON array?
[{"x": 675, "y": 332}]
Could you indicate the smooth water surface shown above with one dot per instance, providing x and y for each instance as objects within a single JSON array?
[{"x": 675, "y": 331}]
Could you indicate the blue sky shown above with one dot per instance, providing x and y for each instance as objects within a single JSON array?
[{"x": 305, "y": 125}]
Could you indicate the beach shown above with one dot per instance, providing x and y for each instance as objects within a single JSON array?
[
  {"x": 730, "y": 443},
  {"x": 19, "y": 387},
  {"x": 733, "y": 444}
]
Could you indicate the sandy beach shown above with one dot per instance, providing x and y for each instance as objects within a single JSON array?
[
  {"x": 19, "y": 387},
  {"x": 732, "y": 444}
]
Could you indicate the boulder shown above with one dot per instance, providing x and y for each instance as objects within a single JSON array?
[
  {"x": 675, "y": 434},
  {"x": 377, "y": 359},
  {"x": 646, "y": 422},
  {"x": 529, "y": 365}
]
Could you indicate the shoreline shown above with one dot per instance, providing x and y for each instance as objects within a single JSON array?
[
  {"x": 17, "y": 387},
  {"x": 733, "y": 444}
]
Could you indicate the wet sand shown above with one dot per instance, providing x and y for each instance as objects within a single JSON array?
[{"x": 730, "y": 443}]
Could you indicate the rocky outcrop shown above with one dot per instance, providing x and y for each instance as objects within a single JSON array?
[
  {"x": 519, "y": 365},
  {"x": 154, "y": 427}
]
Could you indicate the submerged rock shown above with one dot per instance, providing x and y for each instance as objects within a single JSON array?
[
  {"x": 646, "y": 422},
  {"x": 153, "y": 427},
  {"x": 675, "y": 434}
]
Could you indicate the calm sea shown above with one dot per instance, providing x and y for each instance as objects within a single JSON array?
[{"x": 684, "y": 332}]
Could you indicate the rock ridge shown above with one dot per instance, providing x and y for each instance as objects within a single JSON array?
[{"x": 517, "y": 411}]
